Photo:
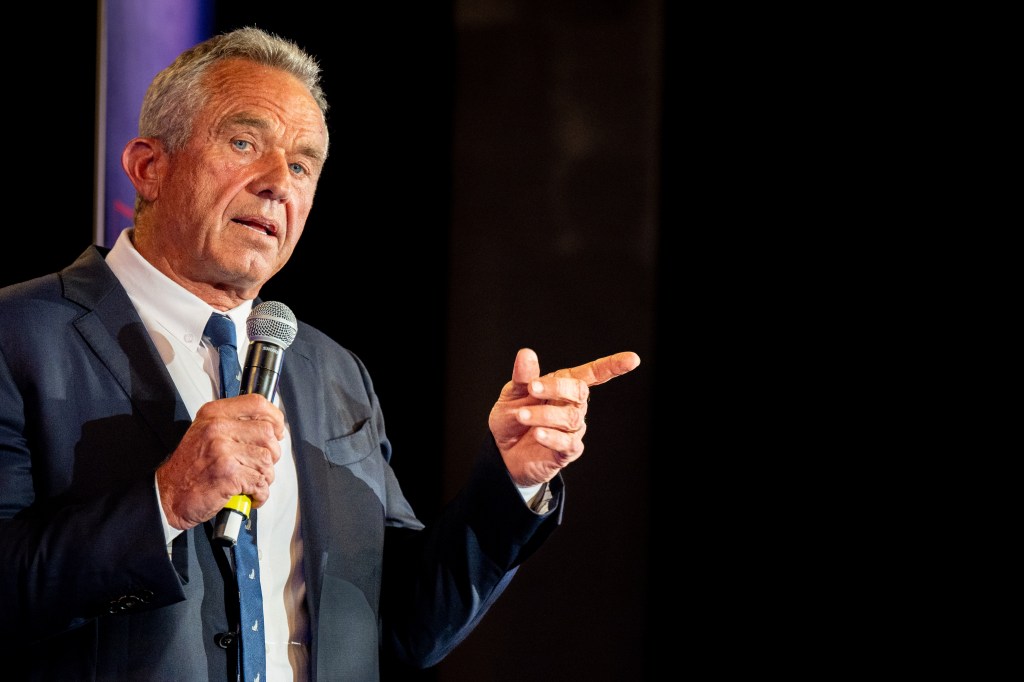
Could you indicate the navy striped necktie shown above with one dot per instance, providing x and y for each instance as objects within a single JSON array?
[{"x": 252, "y": 654}]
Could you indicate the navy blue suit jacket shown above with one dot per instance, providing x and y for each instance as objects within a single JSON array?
[{"x": 87, "y": 591}]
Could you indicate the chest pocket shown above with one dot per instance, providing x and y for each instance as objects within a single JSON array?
[{"x": 359, "y": 452}]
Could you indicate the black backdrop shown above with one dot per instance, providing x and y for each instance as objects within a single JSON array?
[{"x": 437, "y": 246}]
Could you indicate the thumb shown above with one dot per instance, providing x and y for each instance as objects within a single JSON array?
[{"x": 526, "y": 367}]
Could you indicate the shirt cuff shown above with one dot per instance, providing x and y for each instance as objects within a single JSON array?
[
  {"x": 170, "y": 532},
  {"x": 537, "y": 497}
]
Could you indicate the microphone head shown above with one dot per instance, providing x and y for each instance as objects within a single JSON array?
[{"x": 272, "y": 322}]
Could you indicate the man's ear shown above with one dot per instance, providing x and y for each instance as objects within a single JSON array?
[{"x": 143, "y": 161}]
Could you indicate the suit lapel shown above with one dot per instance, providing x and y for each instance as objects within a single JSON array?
[
  {"x": 116, "y": 334},
  {"x": 304, "y": 411},
  {"x": 304, "y": 405}
]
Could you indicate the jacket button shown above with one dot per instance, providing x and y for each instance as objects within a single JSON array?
[
  {"x": 118, "y": 605},
  {"x": 224, "y": 639}
]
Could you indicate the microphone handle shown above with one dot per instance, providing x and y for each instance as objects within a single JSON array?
[
  {"x": 230, "y": 519},
  {"x": 262, "y": 371}
]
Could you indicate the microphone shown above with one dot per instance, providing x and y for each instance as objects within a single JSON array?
[{"x": 271, "y": 328}]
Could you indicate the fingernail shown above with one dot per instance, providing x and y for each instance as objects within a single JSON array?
[
  {"x": 537, "y": 387},
  {"x": 524, "y": 415}
]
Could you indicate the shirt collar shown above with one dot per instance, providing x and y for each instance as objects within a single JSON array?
[{"x": 157, "y": 297}]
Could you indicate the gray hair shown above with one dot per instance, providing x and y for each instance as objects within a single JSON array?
[{"x": 178, "y": 93}]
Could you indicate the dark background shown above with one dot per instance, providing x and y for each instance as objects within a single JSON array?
[{"x": 495, "y": 181}]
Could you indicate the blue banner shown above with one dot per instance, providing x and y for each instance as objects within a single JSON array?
[{"x": 138, "y": 39}]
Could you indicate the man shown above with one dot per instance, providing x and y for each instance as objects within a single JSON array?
[{"x": 116, "y": 455}]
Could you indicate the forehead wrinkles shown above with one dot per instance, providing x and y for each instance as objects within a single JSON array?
[{"x": 242, "y": 98}]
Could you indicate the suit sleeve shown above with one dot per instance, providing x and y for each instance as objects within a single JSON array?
[{"x": 455, "y": 569}]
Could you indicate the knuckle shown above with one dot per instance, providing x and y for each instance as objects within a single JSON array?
[{"x": 576, "y": 419}]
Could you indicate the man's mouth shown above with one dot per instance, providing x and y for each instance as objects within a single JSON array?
[{"x": 267, "y": 228}]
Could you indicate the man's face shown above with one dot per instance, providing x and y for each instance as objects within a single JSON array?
[{"x": 232, "y": 204}]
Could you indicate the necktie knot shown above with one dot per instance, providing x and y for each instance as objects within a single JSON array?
[{"x": 221, "y": 330}]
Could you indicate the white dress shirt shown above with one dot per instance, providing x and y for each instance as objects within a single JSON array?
[{"x": 175, "y": 320}]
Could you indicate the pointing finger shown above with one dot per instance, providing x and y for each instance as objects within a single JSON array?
[{"x": 603, "y": 369}]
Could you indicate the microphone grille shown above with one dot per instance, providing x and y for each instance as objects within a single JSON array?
[{"x": 272, "y": 322}]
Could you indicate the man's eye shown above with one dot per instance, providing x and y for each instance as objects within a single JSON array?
[
  {"x": 241, "y": 145},
  {"x": 298, "y": 169}
]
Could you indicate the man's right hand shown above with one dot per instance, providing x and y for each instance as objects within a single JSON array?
[{"x": 230, "y": 449}]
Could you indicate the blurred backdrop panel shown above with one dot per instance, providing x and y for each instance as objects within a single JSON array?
[{"x": 554, "y": 246}]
